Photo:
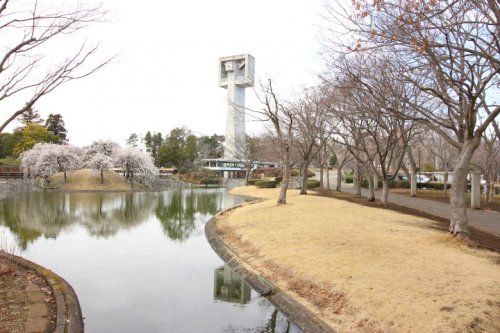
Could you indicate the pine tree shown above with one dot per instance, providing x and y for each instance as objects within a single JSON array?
[
  {"x": 30, "y": 116},
  {"x": 55, "y": 124}
]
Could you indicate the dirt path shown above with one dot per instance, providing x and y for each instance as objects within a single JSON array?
[
  {"x": 26, "y": 301},
  {"x": 364, "y": 268}
]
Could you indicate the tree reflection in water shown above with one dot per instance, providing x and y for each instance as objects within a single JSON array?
[
  {"x": 181, "y": 212},
  {"x": 277, "y": 323}
]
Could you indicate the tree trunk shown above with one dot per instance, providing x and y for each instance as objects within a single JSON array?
[
  {"x": 357, "y": 185},
  {"x": 284, "y": 183},
  {"x": 490, "y": 191},
  {"x": 458, "y": 221},
  {"x": 321, "y": 171},
  {"x": 371, "y": 190},
  {"x": 248, "y": 169},
  {"x": 339, "y": 179},
  {"x": 65, "y": 179},
  {"x": 413, "y": 183},
  {"x": 327, "y": 174},
  {"x": 445, "y": 182},
  {"x": 385, "y": 191},
  {"x": 102, "y": 176},
  {"x": 303, "y": 182}
]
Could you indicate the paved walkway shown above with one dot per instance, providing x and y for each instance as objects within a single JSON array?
[{"x": 484, "y": 220}]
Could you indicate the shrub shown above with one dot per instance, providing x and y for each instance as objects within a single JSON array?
[
  {"x": 349, "y": 178},
  {"x": 210, "y": 181},
  {"x": 10, "y": 161},
  {"x": 404, "y": 184},
  {"x": 390, "y": 183},
  {"x": 433, "y": 185},
  {"x": 252, "y": 181},
  {"x": 278, "y": 179},
  {"x": 267, "y": 183},
  {"x": 312, "y": 183},
  {"x": 200, "y": 177}
]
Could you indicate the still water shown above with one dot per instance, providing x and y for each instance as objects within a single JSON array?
[{"x": 139, "y": 262}]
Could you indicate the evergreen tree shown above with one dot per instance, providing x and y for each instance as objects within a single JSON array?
[
  {"x": 30, "y": 116},
  {"x": 179, "y": 149},
  {"x": 55, "y": 125},
  {"x": 133, "y": 140},
  {"x": 148, "y": 142},
  {"x": 153, "y": 141},
  {"x": 210, "y": 146}
]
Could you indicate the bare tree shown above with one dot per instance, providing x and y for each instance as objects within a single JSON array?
[
  {"x": 444, "y": 152},
  {"x": 370, "y": 133},
  {"x": 343, "y": 160},
  {"x": 449, "y": 50},
  {"x": 310, "y": 130},
  {"x": 281, "y": 118},
  {"x": 26, "y": 70},
  {"x": 487, "y": 160},
  {"x": 249, "y": 154}
]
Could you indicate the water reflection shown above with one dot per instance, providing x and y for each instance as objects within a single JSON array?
[
  {"x": 228, "y": 287},
  {"x": 139, "y": 262},
  {"x": 33, "y": 215}
]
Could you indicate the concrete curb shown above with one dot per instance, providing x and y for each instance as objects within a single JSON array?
[
  {"x": 297, "y": 313},
  {"x": 68, "y": 311}
]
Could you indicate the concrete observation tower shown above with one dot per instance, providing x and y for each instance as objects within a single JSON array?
[{"x": 235, "y": 74}]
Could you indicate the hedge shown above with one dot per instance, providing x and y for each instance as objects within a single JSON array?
[
  {"x": 312, "y": 183},
  {"x": 278, "y": 172},
  {"x": 438, "y": 186},
  {"x": 210, "y": 181},
  {"x": 267, "y": 183},
  {"x": 349, "y": 179},
  {"x": 252, "y": 181}
]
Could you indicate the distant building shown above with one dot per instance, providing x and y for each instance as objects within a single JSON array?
[{"x": 232, "y": 168}]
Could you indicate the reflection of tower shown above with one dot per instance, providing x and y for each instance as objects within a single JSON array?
[
  {"x": 228, "y": 287},
  {"x": 236, "y": 73}
]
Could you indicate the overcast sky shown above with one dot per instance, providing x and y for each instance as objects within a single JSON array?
[{"x": 166, "y": 74}]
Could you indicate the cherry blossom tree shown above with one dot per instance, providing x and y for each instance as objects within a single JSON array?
[
  {"x": 100, "y": 163},
  {"x": 29, "y": 159},
  {"x": 104, "y": 147},
  {"x": 44, "y": 160},
  {"x": 136, "y": 165}
]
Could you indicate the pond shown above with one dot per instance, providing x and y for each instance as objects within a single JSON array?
[{"x": 139, "y": 262}]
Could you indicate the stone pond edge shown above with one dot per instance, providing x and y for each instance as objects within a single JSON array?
[
  {"x": 297, "y": 313},
  {"x": 68, "y": 311}
]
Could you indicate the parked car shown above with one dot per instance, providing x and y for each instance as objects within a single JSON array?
[{"x": 423, "y": 179}]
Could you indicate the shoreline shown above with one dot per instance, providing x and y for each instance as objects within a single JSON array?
[
  {"x": 293, "y": 310},
  {"x": 259, "y": 240},
  {"x": 69, "y": 317}
]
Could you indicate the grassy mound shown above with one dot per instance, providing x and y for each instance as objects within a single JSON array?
[{"x": 89, "y": 180}]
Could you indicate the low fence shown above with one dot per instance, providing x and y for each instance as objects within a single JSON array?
[{"x": 11, "y": 171}]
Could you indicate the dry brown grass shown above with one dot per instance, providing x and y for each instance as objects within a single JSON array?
[
  {"x": 89, "y": 180},
  {"x": 364, "y": 268}
]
